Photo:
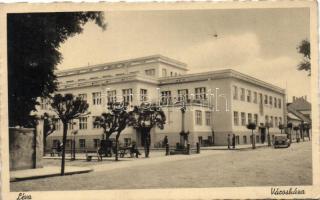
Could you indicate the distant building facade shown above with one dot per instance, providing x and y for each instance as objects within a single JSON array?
[{"x": 218, "y": 102}]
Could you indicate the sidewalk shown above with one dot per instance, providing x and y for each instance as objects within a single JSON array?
[
  {"x": 238, "y": 147},
  {"x": 47, "y": 171}
]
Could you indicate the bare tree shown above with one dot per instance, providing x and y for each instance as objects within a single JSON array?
[
  {"x": 68, "y": 108},
  {"x": 143, "y": 118},
  {"x": 115, "y": 121}
]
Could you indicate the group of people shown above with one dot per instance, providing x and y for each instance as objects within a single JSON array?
[{"x": 231, "y": 141}]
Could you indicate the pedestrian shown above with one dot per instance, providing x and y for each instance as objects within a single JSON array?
[
  {"x": 233, "y": 141},
  {"x": 165, "y": 141},
  {"x": 229, "y": 141}
]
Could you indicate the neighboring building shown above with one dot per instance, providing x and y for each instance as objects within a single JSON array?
[
  {"x": 299, "y": 113},
  {"x": 218, "y": 102}
]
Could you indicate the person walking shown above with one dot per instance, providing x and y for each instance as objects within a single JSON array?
[
  {"x": 233, "y": 141},
  {"x": 165, "y": 141},
  {"x": 229, "y": 141}
]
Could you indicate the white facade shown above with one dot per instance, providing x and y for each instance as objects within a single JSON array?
[{"x": 210, "y": 99}]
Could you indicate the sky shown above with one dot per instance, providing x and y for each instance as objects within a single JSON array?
[{"x": 259, "y": 42}]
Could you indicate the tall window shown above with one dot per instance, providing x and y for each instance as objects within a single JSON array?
[
  {"x": 70, "y": 125},
  {"x": 96, "y": 143},
  {"x": 150, "y": 72},
  {"x": 280, "y": 120},
  {"x": 271, "y": 121},
  {"x": 265, "y": 99},
  {"x": 242, "y": 95},
  {"x": 83, "y": 122},
  {"x": 270, "y": 100},
  {"x": 256, "y": 121},
  {"x": 236, "y": 118},
  {"x": 127, "y": 95},
  {"x": 208, "y": 118},
  {"x": 276, "y": 121},
  {"x": 83, "y": 96},
  {"x": 57, "y": 124},
  {"x": 82, "y": 143},
  {"x": 244, "y": 139},
  {"x": 248, "y": 95},
  {"x": 198, "y": 117},
  {"x": 183, "y": 95},
  {"x": 166, "y": 97},
  {"x": 164, "y": 72},
  {"x": 260, "y": 99},
  {"x": 279, "y": 103},
  {"x": 112, "y": 96},
  {"x": 275, "y": 102},
  {"x": 249, "y": 117},
  {"x": 96, "y": 98},
  {"x": 243, "y": 119},
  {"x": 143, "y": 95},
  {"x": 200, "y": 93},
  {"x": 266, "y": 119},
  {"x": 43, "y": 104},
  {"x": 255, "y": 97},
  {"x": 95, "y": 125},
  {"x": 235, "y": 92}
]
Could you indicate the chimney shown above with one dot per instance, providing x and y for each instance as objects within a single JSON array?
[{"x": 293, "y": 99}]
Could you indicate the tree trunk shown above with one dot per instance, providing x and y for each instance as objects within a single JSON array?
[
  {"x": 269, "y": 139},
  {"x": 253, "y": 141},
  {"x": 117, "y": 146},
  {"x": 64, "y": 140}
]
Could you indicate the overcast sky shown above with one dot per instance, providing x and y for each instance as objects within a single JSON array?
[{"x": 259, "y": 42}]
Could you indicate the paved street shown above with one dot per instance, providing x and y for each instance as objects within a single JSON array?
[{"x": 212, "y": 168}]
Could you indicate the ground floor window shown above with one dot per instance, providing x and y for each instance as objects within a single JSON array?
[
  {"x": 237, "y": 139},
  {"x": 82, "y": 143},
  {"x": 55, "y": 143},
  {"x": 96, "y": 143},
  {"x": 257, "y": 138},
  {"x": 245, "y": 139},
  {"x": 127, "y": 141},
  {"x": 68, "y": 143}
]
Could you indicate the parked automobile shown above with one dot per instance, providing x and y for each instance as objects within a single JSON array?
[{"x": 281, "y": 141}]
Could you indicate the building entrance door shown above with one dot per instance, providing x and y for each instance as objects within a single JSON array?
[{"x": 263, "y": 134}]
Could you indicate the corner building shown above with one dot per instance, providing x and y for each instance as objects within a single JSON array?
[{"x": 217, "y": 103}]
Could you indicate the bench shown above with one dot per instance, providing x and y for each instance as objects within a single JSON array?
[{"x": 91, "y": 154}]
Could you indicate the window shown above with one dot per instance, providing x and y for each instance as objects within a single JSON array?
[
  {"x": 271, "y": 121},
  {"x": 164, "y": 72},
  {"x": 198, "y": 117},
  {"x": 275, "y": 102},
  {"x": 57, "y": 124},
  {"x": 242, "y": 95},
  {"x": 249, "y": 118},
  {"x": 171, "y": 73},
  {"x": 82, "y": 143},
  {"x": 256, "y": 119},
  {"x": 280, "y": 120},
  {"x": 143, "y": 95},
  {"x": 96, "y": 98},
  {"x": 166, "y": 97},
  {"x": 208, "y": 118},
  {"x": 260, "y": 98},
  {"x": 265, "y": 99},
  {"x": 255, "y": 97},
  {"x": 276, "y": 121},
  {"x": 257, "y": 139},
  {"x": 236, "y": 118},
  {"x": 70, "y": 125},
  {"x": 127, "y": 95},
  {"x": 183, "y": 95},
  {"x": 55, "y": 143},
  {"x": 83, "y": 97},
  {"x": 237, "y": 139},
  {"x": 266, "y": 119},
  {"x": 245, "y": 139},
  {"x": 243, "y": 119},
  {"x": 112, "y": 96},
  {"x": 83, "y": 122},
  {"x": 95, "y": 125},
  {"x": 150, "y": 72},
  {"x": 248, "y": 96},
  {"x": 96, "y": 143},
  {"x": 235, "y": 92},
  {"x": 200, "y": 93},
  {"x": 270, "y": 101},
  {"x": 279, "y": 103},
  {"x": 43, "y": 104}
]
